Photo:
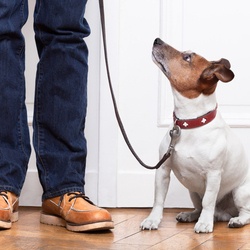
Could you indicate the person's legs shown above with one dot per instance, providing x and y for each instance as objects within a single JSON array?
[
  {"x": 14, "y": 135},
  {"x": 59, "y": 119},
  {"x": 61, "y": 95}
]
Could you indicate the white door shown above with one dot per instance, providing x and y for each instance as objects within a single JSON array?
[
  {"x": 144, "y": 95},
  {"x": 132, "y": 27}
]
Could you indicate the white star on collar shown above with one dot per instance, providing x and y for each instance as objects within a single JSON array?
[{"x": 204, "y": 120}]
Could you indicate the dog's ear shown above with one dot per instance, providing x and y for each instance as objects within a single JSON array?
[
  {"x": 219, "y": 69},
  {"x": 224, "y": 62}
]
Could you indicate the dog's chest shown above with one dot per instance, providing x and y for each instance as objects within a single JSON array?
[
  {"x": 196, "y": 154},
  {"x": 190, "y": 170}
]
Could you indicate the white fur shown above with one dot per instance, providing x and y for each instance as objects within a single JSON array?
[{"x": 210, "y": 162}]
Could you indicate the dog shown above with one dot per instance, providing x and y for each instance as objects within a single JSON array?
[{"x": 208, "y": 159}]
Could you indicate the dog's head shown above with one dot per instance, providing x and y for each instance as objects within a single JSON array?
[{"x": 189, "y": 73}]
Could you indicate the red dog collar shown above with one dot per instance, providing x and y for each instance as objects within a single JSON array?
[{"x": 196, "y": 122}]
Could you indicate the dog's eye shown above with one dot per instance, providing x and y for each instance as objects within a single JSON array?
[{"x": 187, "y": 57}]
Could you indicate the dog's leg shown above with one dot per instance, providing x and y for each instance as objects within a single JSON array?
[
  {"x": 225, "y": 208},
  {"x": 205, "y": 223},
  {"x": 241, "y": 197},
  {"x": 195, "y": 214},
  {"x": 162, "y": 179}
]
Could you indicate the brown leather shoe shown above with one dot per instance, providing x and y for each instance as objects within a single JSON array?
[
  {"x": 75, "y": 212},
  {"x": 8, "y": 209}
]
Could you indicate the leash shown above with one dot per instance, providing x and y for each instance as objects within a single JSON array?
[{"x": 174, "y": 132}]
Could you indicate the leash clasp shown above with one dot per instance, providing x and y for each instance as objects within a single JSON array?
[{"x": 174, "y": 133}]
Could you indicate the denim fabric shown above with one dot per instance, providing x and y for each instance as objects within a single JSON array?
[{"x": 60, "y": 96}]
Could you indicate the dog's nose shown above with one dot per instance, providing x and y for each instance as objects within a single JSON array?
[{"x": 158, "y": 41}]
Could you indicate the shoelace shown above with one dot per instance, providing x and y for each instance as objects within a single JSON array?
[
  {"x": 4, "y": 194},
  {"x": 79, "y": 195}
]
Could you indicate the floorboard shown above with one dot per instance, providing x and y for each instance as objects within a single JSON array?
[{"x": 29, "y": 234}]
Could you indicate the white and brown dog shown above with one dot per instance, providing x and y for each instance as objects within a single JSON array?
[{"x": 208, "y": 158}]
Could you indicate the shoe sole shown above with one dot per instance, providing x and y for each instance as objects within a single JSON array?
[
  {"x": 58, "y": 221},
  {"x": 8, "y": 224}
]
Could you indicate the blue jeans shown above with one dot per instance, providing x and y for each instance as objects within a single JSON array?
[{"x": 60, "y": 95}]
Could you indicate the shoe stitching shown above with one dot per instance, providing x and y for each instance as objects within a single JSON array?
[
  {"x": 13, "y": 204},
  {"x": 54, "y": 203}
]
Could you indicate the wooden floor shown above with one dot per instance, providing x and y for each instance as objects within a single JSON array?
[{"x": 29, "y": 234}]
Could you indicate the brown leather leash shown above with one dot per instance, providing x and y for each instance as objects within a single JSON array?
[{"x": 174, "y": 133}]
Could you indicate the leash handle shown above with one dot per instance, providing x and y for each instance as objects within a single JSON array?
[{"x": 167, "y": 155}]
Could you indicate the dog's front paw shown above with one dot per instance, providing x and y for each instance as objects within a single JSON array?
[
  {"x": 236, "y": 222},
  {"x": 188, "y": 216},
  {"x": 203, "y": 227},
  {"x": 150, "y": 224}
]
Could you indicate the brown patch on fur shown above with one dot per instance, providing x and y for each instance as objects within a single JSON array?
[{"x": 189, "y": 73}]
